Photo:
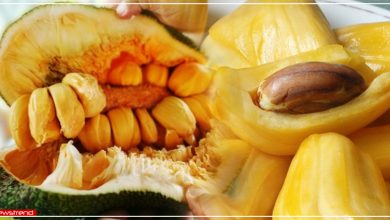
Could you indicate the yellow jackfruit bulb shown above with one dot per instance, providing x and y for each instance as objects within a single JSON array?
[
  {"x": 189, "y": 79},
  {"x": 44, "y": 125},
  {"x": 126, "y": 73},
  {"x": 19, "y": 124},
  {"x": 172, "y": 140},
  {"x": 259, "y": 182},
  {"x": 156, "y": 74},
  {"x": 371, "y": 41},
  {"x": 96, "y": 134},
  {"x": 174, "y": 114},
  {"x": 233, "y": 104},
  {"x": 125, "y": 129},
  {"x": 330, "y": 176},
  {"x": 200, "y": 107},
  {"x": 265, "y": 33},
  {"x": 88, "y": 91},
  {"x": 375, "y": 141},
  {"x": 147, "y": 126},
  {"x": 69, "y": 110}
]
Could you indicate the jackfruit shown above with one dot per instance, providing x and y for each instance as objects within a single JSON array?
[
  {"x": 375, "y": 141},
  {"x": 370, "y": 41},
  {"x": 255, "y": 34},
  {"x": 330, "y": 176},
  {"x": 103, "y": 153},
  {"x": 233, "y": 104},
  {"x": 256, "y": 188}
]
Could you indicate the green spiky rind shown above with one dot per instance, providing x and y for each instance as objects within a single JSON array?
[{"x": 16, "y": 195}]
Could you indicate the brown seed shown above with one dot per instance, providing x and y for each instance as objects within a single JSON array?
[{"x": 309, "y": 87}]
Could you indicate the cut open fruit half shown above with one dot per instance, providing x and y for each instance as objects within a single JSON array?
[{"x": 100, "y": 102}]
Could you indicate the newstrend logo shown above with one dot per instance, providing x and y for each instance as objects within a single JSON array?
[{"x": 18, "y": 212}]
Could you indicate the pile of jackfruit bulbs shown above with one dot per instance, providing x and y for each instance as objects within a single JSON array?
[
  {"x": 283, "y": 86},
  {"x": 277, "y": 114}
]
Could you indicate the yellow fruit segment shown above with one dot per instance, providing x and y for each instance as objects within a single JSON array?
[
  {"x": 329, "y": 176},
  {"x": 174, "y": 114},
  {"x": 147, "y": 126},
  {"x": 127, "y": 73},
  {"x": 19, "y": 124},
  {"x": 96, "y": 134},
  {"x": 371, "y": 41},
  {"x": 88, "y": 91},
  {"x": 255, "y": 34},
  {"x": 281, "y": 134},
  {"x": 172, "y": 139},
  {"x": 69, "y": 110},
  {"x": 44, "y": 125},
  {"x": 250, "y": 78},
  {"x": 125, "y": 129},
  {"x": 200, "y": 107},
  {"x": 375, "y": 141},
  {"x": 156, "y": 74},
  {"x": 189, "y": 79},
  {"x": 259, "y": 182}
]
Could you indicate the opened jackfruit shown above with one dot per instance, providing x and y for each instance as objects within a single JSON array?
[{"x": 101, "y": 89}]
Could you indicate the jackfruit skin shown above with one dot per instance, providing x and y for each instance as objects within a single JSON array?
[{"x": 16, "y": 195}]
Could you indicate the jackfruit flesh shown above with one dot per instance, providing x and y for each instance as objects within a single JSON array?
[
  {"x": 371, "y": 41},
  {"x": 255, "y": 34}
]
